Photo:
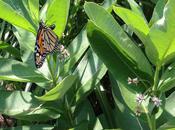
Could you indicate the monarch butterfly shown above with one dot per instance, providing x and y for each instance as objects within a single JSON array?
[{"x": 46, "y": 42}]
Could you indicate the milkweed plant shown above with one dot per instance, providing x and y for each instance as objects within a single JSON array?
[{"x": 113, "y": 67}]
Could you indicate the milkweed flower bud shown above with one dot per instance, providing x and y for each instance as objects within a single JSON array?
[
  {"x": 138, "y": 111},
  {"x": 156, "y": 101},
  {"x": 140, "y": 98},
  {"x": 63, "y": 53},
  {"x": 133, "y": 81}
]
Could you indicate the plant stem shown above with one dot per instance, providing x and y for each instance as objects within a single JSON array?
[
  {"x": 148, "y": 117},
  {"x": 156, "y": 79},
  {"x": 154, "y": 89},
  {"x": 153, "y": 122},
  {"x": 51, "y": 72}
]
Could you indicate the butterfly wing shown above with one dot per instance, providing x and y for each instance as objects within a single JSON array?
[
  {"x": 46, "y": 42},
  {"x": 51, "y": 40},
  {"x": 40, "y": 51}
]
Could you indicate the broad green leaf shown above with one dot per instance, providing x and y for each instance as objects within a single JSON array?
[
  {"x": 24, "y": 106},
  {"x": 59, "y": 91},
  {"x": 32, "y": 8},
  {"x": 12, "y": 50},
  {"x": 167, "y": 80},
  {"x": 57, "y": 13},
  {"x": 169, "y": 106},
  {"x": 76, "y": 49},
  {"x": 122, "y": 96},
  {"x": 101, "y": 42},
  {"x": 114, "y": 61},
  {"x": 27, "y": 44},
  {"x": 14, "y": 17},
  {"x": 133, "y": 20},
  {"x": 90, "y": 71},
  {"x": 158, "y": 12},
  {"x": 160, "y": 46},
  {"x": 17, "y": 71},
  {"x": 168, "y": 125},
  {"x": 136, "y": 9},
  {"x": 122, "y": 42},
  {"x": 32, "y": 127}
]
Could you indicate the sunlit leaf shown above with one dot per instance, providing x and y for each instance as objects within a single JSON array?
[
  {"x": 160, "y": 46},
  {"x": 59, "y": 91},
  {"x": 17, "y": 71},
  {"x": 57, "y": 13},
  {"x": 133, "y": 20},
  {"x": 24, "y": 106},
  {"x": 105, "y": 22},
  {"x": 14, "y": 17}
]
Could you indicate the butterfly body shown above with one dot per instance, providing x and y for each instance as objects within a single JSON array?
[{"x": 46, "y": 42}]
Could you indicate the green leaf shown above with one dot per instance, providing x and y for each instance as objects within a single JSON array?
[
  {"x": 133, "y": 20},
  {"x": 24, "y": 106},
  {"x": 59, "y": 91},
  {"x": 34, "y": 9},
  {"x": 169, "y": 106},
  {"x": 136, "y": 9},
  {"x": 158, "y": 12},
  {"x": 123, "y": 96},
  {"x": 32, "y": 127},
  {"x": 114, "y": 61},
  {"x": 160, "y": 46},
  {"x": 105, "y": 22},
  {"x": 76, "y": 49},
  {"x": 167, "y": 80},
  {"x": 101, "y": 42},
  {"x": 14, "y": 17},
  {"x": 90, "y": 71},
  {"x": 26, "y": 41},
  {"x": 17, "y": 71},
  {"x": 12, "y": 50},
  {"x": 57, "y": 13},
  {"x": 168, "y": 125}
]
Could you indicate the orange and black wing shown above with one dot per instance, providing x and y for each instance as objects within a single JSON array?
[
  {"x": 51, "y": 40},
  {"x": 46, "y": 42}
]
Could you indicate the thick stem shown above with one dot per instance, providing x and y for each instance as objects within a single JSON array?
[
  {"x": 51, "y": 72},
  {"x": 156, "y": 79},
  {"x": 148, "y": 117},
  {"x": 154, "y": 89},
  {"x": 153, "y": 122}
]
